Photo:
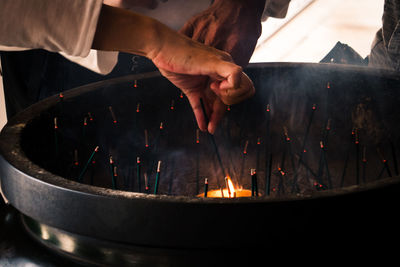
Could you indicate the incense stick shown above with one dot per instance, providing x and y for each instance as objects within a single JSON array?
[
  {"x": 384, "y": 161},
  {"x": 138, "y": 174},
  {"x": 254, "y": 186},
  {"x": 356, "y": 143},
  {"x": 213, "y": 142},
  {"x": 146, "y": 182},
  {"x": 113, "y": 184},
  {"x": 157, "y": 177},
  {"x": 243, "y": 160},
  {"x": 227, "y": 187},
  {"x": 205, "y": 187},
  {"x": 55, "y": 136},
  {"x": 112, "y": 114},
  {"x": 80, "y": 178}
]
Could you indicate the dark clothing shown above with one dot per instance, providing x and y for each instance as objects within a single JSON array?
[{"x": 385, "y": 52}]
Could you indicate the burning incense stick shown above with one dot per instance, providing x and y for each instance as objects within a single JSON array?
[
  {"x": 243, "y": 160},
  {"x": 280, "y": 183},
  {"x": 138, "y": 107},
  {"x": 115, "y": 177},
  {"x": 84, "y": 127},
  {"x": 90, "y": 116},
  {"x": 313, "y": 109},
  {"x": 146, "y": 182},
  {"x": 55, "y": 136},
  {"x": 205, "y": 187},
  {"x": 135, "y": 85},
  {"x": 172, "y": 105},
  {"x": 364, "y": 163},
  {"x": 254, "y": 186},
  {"x": 138, "y": 174},
  {"x": 112, "y": 173},
  {"x": 157, "y": 177},
  {"x": 112, "y": 114},
  {"x": 146, "y": 139},
  {"x": 80, "y": 179},
  {"x": 76, "y": 160},
  {"x": 227, "y": 187},
  {"x": 384, "y": 161},
  {"x": 213, "y": 142},
  {"x": 357, "y": 145}
]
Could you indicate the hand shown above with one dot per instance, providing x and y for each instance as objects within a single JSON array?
[
  {"x": 202, "y": 72},
  {"x": 233, "y": 26},
  {"x": 198, "y": 70}
]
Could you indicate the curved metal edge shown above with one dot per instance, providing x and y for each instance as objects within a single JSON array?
[
  {"x": 11, "y": 151},
  {"x": 98, "y": 252}
]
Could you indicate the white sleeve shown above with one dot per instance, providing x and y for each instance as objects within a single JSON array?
[{"x": 53, "y": 25}]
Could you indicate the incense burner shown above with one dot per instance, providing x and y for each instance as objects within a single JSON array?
[{"x": 323, "y": 139}]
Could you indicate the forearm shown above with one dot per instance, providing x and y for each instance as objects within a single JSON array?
[{"x": 126, "y": 31}]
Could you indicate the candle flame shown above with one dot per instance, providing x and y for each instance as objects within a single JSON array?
[{"x": 231, "y": 191}]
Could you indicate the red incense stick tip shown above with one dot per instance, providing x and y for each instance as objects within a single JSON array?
[
  {"x": 76, "y": 163},
  {"x": 321, "y": 144},
  {"x": 161, "y": 126},
  {"x": 138, "y": 160},
  {"x": 93, "y": 162},
  {"x": 206, "y": 180},
  {"x": 245, "y": 147},
  {"x": 135, "y": 83},
  {"x": 252, "y": 171},
  {"x": 328, "y": 85},
  {"x": 304, "y": 151},
  {"x": 181, "y": 95},
  {"x": 314, "y": 106},
  {"x": 61, "y": 95},
  {"x": 96, "y": 149},
  {"x": 268, "y": 108},
  {"x": 228, "y": 108}
]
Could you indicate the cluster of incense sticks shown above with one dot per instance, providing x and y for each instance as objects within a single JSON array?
[{"x": 288, "y": 167}]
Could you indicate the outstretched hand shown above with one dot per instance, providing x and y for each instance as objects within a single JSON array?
[{"x": 204, "y": 72}]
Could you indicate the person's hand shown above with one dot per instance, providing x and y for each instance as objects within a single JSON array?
[
  {"x": 233, "y": 26},
  {"x": 198, "y": 70},
  {"x": 202, "y": 72}
]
